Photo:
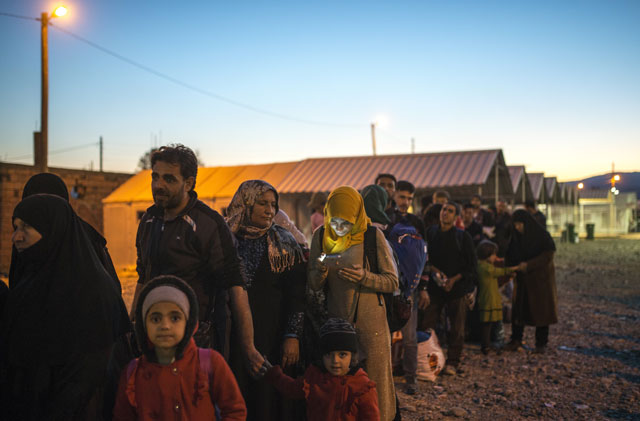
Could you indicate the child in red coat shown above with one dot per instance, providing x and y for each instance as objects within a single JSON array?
[
  {"x": 335, "y": 390},
  {"x": 174, "y": 379}
]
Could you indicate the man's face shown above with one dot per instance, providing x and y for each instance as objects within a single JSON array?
[
  {"x": 403, "y": 200},
  {"x": 389, "y": 185},
  {"x": 467, "y": 215},
  {"x": 168, "y": 187},
  {"x": 447, "y": 214},
  {"x": 501, "y": 207},
  {"x": 476, "y": 202}
]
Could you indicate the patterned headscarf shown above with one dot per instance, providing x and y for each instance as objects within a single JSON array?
[
  {"x": 344, "y": 202},
  {"x": 283, "y": 250}
]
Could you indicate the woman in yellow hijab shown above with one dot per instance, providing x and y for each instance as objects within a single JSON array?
[{"x": 353, "y": 285}]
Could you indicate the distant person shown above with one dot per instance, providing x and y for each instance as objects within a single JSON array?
[
  {"x": 180, "y": 235},
  {"x": 338, "y": 378},
  {"x": 432, "y": 215},
  {"x": 530, "y": 207},
  {"x": 471, "y": 225},
  {"x": 452, "y": 259},
  {"x": 482, "y": 216},
  {"x": 316, "y": 204},
  {"x": 440, "y": 197},
  {"x": 285, "y": 222},
  {"x": 174, "y": 379},
  {"x": 61, "y": 320},
  {"x": 375, "y": 201},
  {"x": 489, "y": 298},
  {"x": 504, "y": 228},
  {"x": 388, "y": 182},
  {"x": 353, "y": 283},
  {"x": 536, "y": 301},
  {"x": 412, "y": 259}
]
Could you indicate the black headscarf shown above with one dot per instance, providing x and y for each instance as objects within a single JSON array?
[
  {"x": 534, "y": 241},
  {"x": 45, "y": 182},
  {"x": 49, "y": 183},
  {"x": 65, "y": 302}
]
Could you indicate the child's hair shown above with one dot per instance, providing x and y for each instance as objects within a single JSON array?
[
  {"x": 486, "y": 249},
  {"x": 172, "y": 289},
  {"x": 339, "y": 335}
]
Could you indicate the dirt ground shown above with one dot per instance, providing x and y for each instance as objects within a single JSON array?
[{"x": 591, "y": 369}]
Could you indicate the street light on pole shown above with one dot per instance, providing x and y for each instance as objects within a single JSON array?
[{"x": 41, "y": 140}]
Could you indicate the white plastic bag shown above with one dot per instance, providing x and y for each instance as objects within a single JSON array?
[{"x": 430, "y": 358}]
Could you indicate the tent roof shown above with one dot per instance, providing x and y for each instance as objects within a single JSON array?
[
  {"x": 212, "y": 182},
  {"x": 516, "y": 172},
  {"x": 536, "y": 179},
  {"x": 425, "y": 171}
]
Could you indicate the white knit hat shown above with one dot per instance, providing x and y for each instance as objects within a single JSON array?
[{"x": 165, "y": 293}]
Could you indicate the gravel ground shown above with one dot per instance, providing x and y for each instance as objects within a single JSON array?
[{"x": 591, "y": 369}]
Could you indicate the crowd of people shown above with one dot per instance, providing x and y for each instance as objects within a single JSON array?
[{"x": 241, "y": 317}]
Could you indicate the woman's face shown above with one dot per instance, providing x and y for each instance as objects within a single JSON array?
[
  {"x": 24, "y": 235},
  {"x": 519, "y": 226},
  {"x": 264, "y": 210},
  {"x": 340, "y": 226}
]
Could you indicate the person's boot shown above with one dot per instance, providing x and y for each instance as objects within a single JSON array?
[
  {"x": 540, "y": 349},
  {"x": 411, "y": 386},
  {"x": 514, "y": 345}
]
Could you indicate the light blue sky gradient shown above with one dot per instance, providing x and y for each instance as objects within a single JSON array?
[{"x": 555, "y": 84}]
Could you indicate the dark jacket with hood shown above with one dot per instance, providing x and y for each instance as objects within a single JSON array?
[{"x": 181, "y": 390}]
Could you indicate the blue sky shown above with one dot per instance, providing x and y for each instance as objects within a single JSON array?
[{"x": 555, "y": 84}]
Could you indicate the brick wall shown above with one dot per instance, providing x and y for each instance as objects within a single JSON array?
[{"x": 93, "y": 186}]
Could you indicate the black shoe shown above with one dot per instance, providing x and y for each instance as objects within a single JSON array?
[
  {"x": 540, "y": 349},
  {"x": 513, "y": 345},
  {"x": 411, "y": 388},
  {"x": 485, "y": 350}
]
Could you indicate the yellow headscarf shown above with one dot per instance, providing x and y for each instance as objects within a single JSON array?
[{"x": 344, "y": 202}]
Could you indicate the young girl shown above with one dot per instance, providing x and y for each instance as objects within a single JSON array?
[
  {"x": 337, "y": 389},
  {"x": 174, "y": 379},
  {"x": 489, "y": 300}
]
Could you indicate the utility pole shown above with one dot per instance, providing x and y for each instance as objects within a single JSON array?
[
  {"x": 101, "y": 150},
  {"x": 44, "y": 103},
  {"x": 413, "y": 146},
  {"x": 373, "y": 137}
]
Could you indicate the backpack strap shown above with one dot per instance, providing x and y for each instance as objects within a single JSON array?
[
  {"x": 371, "y": 249},
  {"x": 204, "y": 358},
  {"x": 131, "y": 367}
]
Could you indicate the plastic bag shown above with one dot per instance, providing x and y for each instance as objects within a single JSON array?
[{"x": 430, "y": 358}]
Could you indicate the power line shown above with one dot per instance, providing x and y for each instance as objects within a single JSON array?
[
  {"x": 57, "y": 151},
  {"x": 17, "y": 16},
  {"x": 200, "y": 90}
]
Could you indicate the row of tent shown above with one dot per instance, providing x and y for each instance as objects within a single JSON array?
[{"x": 462, "y": 174}]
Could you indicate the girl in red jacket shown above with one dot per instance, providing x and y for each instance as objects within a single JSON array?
[
  {"x": 337, "y": 389},
  {"x": 174, "y": 379}
]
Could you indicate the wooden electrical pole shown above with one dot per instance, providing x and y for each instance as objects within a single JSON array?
[
  {"x": 42, "y": 165},
  {"x": 373, "y": 137}
]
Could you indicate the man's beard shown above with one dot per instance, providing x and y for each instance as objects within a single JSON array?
[{"x": 170, "y": 201}]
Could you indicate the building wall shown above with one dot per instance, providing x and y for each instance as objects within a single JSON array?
[{"x": 93, "y": 186}]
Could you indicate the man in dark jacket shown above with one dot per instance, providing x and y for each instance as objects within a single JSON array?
[
  {"x": 471, "y": 225},
  {"x": 453, "y": 266},
  {"x": 180, "y": 235}
]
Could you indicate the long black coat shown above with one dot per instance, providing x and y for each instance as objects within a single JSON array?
[{"x": 535, "y": 298}]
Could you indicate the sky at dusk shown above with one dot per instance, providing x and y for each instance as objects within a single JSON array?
[{"x": 554, "y": 84}]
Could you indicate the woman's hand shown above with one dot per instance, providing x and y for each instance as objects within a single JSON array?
[
  {"x": 354, "y": 274},
  {"x": 290, "y": 352},
  {"x": 522, "y": 267}
]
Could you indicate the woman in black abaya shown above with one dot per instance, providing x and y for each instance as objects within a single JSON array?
[
  {"x": 535, "y": 301},
  {"x": 61, "y": 317}
]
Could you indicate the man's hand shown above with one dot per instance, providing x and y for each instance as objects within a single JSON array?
[
  {"x": 522, "y": 267},
  {"x": 354, "y": 274},
  {"x": 423, "y": 300},
  {"x": 255, "y": 362},
  {"x": 290, "y": 352}
]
